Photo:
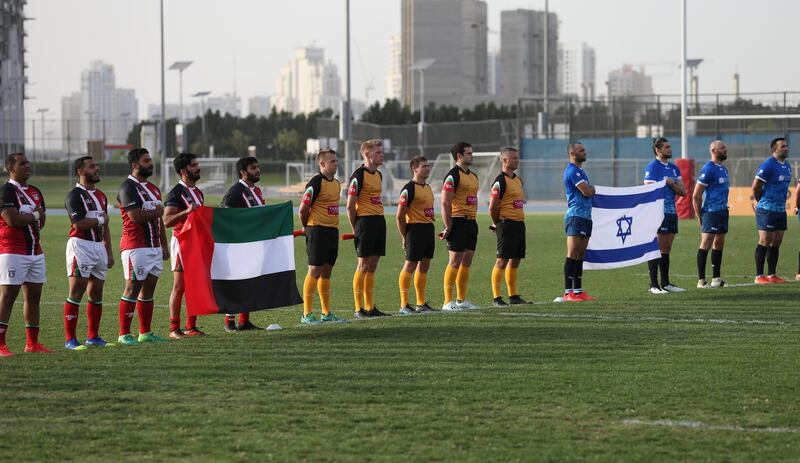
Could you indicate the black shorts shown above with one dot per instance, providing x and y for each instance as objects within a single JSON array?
[
  {"x": 510, "y": 239},
  {"x": 370, "y": 239},
  {"x": 420, "y": 241},
  {"x": 322, "y": 245},
  {"x": 463, "y": 236}
]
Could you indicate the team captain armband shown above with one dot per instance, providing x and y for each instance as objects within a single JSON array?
[
  {"x": 353, "y": 190},
  {"x": 308, "y": 195},
  {"x": 495, "y": 190},
  {"x": 449, "y": 184},
  {"x": 403, "y": 201}
]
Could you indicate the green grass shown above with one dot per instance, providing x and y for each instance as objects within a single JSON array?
[{"x": 550, "y": 382}]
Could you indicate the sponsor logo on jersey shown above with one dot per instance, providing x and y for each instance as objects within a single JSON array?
[
  {"x": 333, "y": 210},
  {"x": 375, "y": 200},
  {"x": 472, "y": 200},
  {"x": 429, "y": 212},
  {"x": 519, "y": 204}
]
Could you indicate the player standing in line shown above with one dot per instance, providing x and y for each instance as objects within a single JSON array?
[
  {"x": 22, "y": 264},
  {"x": 770, "y": 188},
  {"x": 319, "y": 215},
  {"x": 459, "y": 207},
  {"x": 661, "y": 169},
  {"x": 710, "y": 201},
  {"x": 506, "y": 209},
  {"x": 365, "y": 213},
  {"x": 182, "y": 200},
  {"x": 415, "y": 217},
  {"x": 577, "y": 222},
  {"x": 143, "y": 247},
  {"x": 88, "y": 253},
  {"x": 243, "y": 193}
]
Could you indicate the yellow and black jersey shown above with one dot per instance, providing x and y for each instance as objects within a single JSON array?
[
  {"x": 323, "y": 195},
  {"x": 508, "y": 189},
  {"x": 464, "y": 183},
  {"x": 418, "y": 198},
  {"x": 366, "y": 187}
]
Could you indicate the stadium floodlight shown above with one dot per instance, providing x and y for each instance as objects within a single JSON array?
[
  {"x": 421, "y": 66},
  {"x": 180, "y": 66}
]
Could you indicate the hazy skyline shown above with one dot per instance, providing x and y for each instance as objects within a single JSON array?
[{"x": 67, "y": 35}]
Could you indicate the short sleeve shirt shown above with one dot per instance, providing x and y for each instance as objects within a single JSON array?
[
  {"x": 657, "y": 171},
  {"x": 776, "y": 176},
  {"x": 714, "y": 177},
  {"x": 577, "y": 204}
]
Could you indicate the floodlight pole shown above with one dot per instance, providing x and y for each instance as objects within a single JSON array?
[
  {"x": 684, "y": 136},
  {"x": 163, "y": 128},
  {"x": 345, "y": 129}
]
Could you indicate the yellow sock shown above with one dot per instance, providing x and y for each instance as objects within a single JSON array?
[
  {"x": 369, "y": 286},
  {"x": 358, "y": 290},
  {"x": 449, "y": 283},
  {"x": 511, "y": 281},
  {"x": 461, "y": 283},
  {"x": 420, "y": 285},
  {"x": 324, "y": 289},
  {"x": 405, "y": 283},
  {"x": 497, "y": 281},
  {"x": 309, "y": 285}
]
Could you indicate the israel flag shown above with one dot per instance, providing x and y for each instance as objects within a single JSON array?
[{"x": 624, "y": 226}]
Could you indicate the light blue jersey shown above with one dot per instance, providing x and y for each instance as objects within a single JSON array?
[
  {"x": 577, "y": 204},
  {"x": 715, "y": 178},
  {"x": 657, "y": 171},
  {"x": 776, "y": 176}
]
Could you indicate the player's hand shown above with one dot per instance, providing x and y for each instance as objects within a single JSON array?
[
  {"x": 670, "y": 182},
  {"x": 164, "y": 253},
  {"x": 192, "y": 207},
  {"x": 796, "y": 210},
  {"x": 444, "y": 234},
  {"x": 159, "y": 209},
  {"x": 403, "y": 242},
  {"x": 493, "y": 228},
  {"x": 110, "y": 261}
]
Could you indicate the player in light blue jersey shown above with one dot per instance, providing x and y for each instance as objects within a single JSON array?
[
  {"x": 710, "y": 201},
  {"x": 661, "y": 169},
  {"x": 577, "y": 222},
  {"x": 770, "y": 188}
]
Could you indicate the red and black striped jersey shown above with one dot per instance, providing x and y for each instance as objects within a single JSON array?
[
  {"x": 182, "y": 196},
  {"x": 82, "y": 203},
  {"x": 241, "y": 195},
  {"x": 20, "y": 240},
  {"x": 138, "y": 195}
]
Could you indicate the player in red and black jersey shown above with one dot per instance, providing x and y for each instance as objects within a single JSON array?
[
  {"x": 88, "y": 253},
  {"x": 181, "y": 201},
  {"x": 22, "y": 263},
  {"x": 143, "y": 246},
  {"x": 243, "y": 193}
]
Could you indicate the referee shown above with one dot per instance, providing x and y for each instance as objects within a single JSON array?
[
  {"x": 508, "y": 222},
  {"x": 365, "y": 213}
]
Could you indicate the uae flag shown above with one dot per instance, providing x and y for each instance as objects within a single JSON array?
[{"x": 238, "y": 260}]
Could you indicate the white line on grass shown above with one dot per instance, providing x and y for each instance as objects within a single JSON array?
[
  {"x": 705, "y": 426},
  {"x": 642, "y": 319}
]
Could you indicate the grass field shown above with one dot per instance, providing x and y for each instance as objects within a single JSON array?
[{"x": 702, "y": 375}]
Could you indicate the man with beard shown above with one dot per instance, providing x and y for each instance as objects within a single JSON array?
[
  {"x": 710, "y": 201},
  {"x": 661, "y": 169},
  {"x": 181, "y": 201},
  {"x": 143, "y": 247},
  {"x": 577, "y": 222},
  {"x": 243, "y": 193},
  {"x": 770, "y": 188},
  {"x": 88, "y": 253}
]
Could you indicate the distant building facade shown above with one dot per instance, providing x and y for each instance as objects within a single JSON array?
[
  {"x": 307, "y": 83},
  {"x": 628, "y": 81},
  {"x": 259, "y": 106},
  {"x": 12, "y": 76},
  {"x": 522, "y": 53},
  {"x": 576, "y": 70}
]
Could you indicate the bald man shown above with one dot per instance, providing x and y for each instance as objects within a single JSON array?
[{"x": 710, "y": 201}]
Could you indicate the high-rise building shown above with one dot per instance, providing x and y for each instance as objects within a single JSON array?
[
  {"x": 452, "y": 32},
  {"x": 394, "y": 75},
  {"x": 522, "y": 53},
  {"x": 307, "y": 83},
  {"x": 259, "y": 106},
  {"x": 71, "y": 114},
  {"x": 628, "y": 81},
  {"x": 12, "y": 77},
  {"x": 225, "y": 104},
  {"x": 576, "y": 70},
  {"x": 493, "y": 73},
  {"x": 173, "y": 110}
]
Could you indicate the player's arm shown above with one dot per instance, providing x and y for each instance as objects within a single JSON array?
[
  {"x": 677, "y": 186},
  {"x": 173, "y": 215},
  {"x": 447, "y": 209},
  {"x": 586, "y": 190},
  {"x": 352, "y": 197},
  {"x": 796, "y": 199},
  {"x": 42, "y": 212},
  {"x": 107, "y": 244},
  {"x": 400, "y": 219},
  {"x": 164, "y": 247},
  {"x": 10, "y": 213},
  {"x": 758, "y": 188},
  {"x": 697, "y": 200},
  {"x": 307, "y": 201},
  {"x": 78, "y": 215},
  {"x": 495, "y": 197}
]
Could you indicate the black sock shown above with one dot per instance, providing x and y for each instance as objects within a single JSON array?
[
  {"x": 772, "y": 259},
  {"x": 579, "y": 275},
  {"x": 568, "y": 265},
  {"x": 716, "y": 262},
  {"x": 761, "y": 255},
  {"x": 702, "y": 257},
  {"x": 664, "y": 265},
  {"x": 652, "y": 265}
]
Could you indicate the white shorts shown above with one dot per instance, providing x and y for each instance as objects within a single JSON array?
[
  {"x": 86, "y": 258},
  {"x": 138, "y": 263},
  {"x": 16, "y": 269},
  {"x": 175, "y": 254}
]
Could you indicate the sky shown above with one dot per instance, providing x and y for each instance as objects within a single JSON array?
[{"x": 64, "y": 36}]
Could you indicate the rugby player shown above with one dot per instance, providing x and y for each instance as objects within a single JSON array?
[
  {"x": 506, "y": 204},
  {"x": 459, "y": 206},
  {"x": 415, "y": 217},
  {"x": 577, "y": 222},
  {"x": 770, "y": 188},
  {"x": 88, "y": 253},
  {"x": 22, "y": 263},
  {"x": 710, "y": 201},
  {"x": 182, "y": 200}
]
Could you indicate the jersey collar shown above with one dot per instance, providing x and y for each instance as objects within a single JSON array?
[
  {"x": 137, "y": 180},
  {"x": 78, "y": 185},
  {"x": 181, "y": 182}
]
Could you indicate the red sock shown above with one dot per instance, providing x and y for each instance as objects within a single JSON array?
[
  {"x": 244, "y": 317},
  {"x": 174, "y": 324},
  {"x": 126, "y": 309},
  {"x": 3, "y": 329},
  {"x": 94, "y": 311},
  {"x": 191, "y": 322},
  {"x": 145, "y": 310},
  {"x": 71, "y": 311},
  {"x": 31, "y": 335}
]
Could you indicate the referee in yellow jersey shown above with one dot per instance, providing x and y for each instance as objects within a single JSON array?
[
  {"x": 415, "y": 222},
  {"x": 508, "y": 223}
]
